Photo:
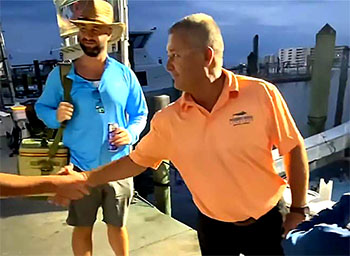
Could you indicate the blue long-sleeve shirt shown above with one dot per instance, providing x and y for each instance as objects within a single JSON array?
[
  {"x": 324, "y": 234},
  {"x": 86, "y": 135}
]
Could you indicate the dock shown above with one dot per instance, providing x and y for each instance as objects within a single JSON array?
[{"x": 31, "y": 227}]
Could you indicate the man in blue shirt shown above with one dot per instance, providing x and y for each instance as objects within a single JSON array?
[
  {"x": 326, "y": 233},
  {"x": 103, "y": 91}
]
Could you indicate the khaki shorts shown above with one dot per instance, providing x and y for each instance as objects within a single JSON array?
[{"x": 114, "y": 198}]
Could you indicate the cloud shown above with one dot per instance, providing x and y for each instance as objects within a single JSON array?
[
  {"x": 19, "y": 11},
  {"x": 30, "y": 30},
  {"x": 30, "y": 26},
  {"x": 280, "y": 24}
]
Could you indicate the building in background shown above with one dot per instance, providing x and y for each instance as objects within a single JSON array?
[
  {"x": 294, "y": 56},
  {"x": 303, "y": 56}
]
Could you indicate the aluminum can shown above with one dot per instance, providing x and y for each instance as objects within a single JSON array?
[{"x": 111, "y": 128}]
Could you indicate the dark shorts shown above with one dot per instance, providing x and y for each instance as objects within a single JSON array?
[
  {"x": 114, "y": 198},
  {"x": 261, "y": 237}
]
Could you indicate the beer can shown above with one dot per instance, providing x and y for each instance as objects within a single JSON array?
[{"x": 111, "y": 128}]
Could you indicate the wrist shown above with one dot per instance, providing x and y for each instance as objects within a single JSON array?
[
  {"x": 52, "y": 183},
  {"x": 89, "y": 178},
  {"x": 129, "y": 135},
  {"x": 303, "y": 210},
  {"x": 57, "y": 116}
]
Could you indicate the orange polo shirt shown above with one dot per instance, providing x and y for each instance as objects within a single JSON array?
[{"x": 224, "y": 156}]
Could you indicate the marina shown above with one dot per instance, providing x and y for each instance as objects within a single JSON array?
[{"x": 163, "y": 217}]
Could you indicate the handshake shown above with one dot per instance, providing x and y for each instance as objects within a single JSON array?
[{"x": 69, "y": 185}]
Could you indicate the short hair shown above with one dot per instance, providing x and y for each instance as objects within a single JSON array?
[{"x": 203, "y": 30}]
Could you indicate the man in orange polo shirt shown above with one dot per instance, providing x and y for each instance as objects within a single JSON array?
[{"x": 219, "y": 135}]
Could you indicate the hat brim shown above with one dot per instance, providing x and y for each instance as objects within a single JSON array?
[{"x": 118, "y": 28}]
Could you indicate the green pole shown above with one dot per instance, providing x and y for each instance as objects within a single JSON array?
[
  {"x": 161, "y": 177},
  {"x": 320, "y": 79}
]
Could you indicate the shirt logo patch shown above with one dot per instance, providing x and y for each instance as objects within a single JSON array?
[{"x": 241, "y": 118}]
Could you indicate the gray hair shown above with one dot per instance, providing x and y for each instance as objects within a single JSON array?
[{"x": 203, "y": 30}]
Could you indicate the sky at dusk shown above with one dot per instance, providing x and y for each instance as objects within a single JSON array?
[{"x": 31, "y": 31}]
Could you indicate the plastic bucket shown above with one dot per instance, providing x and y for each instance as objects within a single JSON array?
[{"x": 19, "y": 112}]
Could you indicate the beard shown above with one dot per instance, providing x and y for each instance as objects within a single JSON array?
[{"x": 90, "y": 51}]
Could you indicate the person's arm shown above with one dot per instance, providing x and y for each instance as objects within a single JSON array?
[
  {"x": 116, "y": 170},
  {"x": 13, "y": 185},
  {"x": 287, "y": 138},
  {"x": 71, "y": 183},
  {"x": 150, "y": 152},
  {"x": 297, "y": 170},
  {"x": 46, "y": 106},
  {"x": 136, "y": 107}
]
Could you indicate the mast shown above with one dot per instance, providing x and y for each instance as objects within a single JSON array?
[
  {"x": 123, "y": 17},
  {"x": 6, "y": 69}
]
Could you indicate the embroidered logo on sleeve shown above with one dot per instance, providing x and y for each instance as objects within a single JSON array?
[{"x": 241, "y": 118}]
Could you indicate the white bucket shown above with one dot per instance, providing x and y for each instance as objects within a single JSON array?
[
  {"x": 18, "y": 112},
  {"x": 325, "y": 189}
]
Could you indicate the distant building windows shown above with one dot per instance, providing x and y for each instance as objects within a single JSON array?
[{"x": 303, "y": 56}]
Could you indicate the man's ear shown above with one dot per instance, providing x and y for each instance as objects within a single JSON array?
[{"x": 209, "y": 55}]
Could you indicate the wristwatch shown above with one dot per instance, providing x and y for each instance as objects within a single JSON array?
[{"x": 305, "y": 210}]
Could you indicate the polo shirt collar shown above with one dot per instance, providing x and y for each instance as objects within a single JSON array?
[
  {"x": 230, "y": 87},
  {"x": 231, "y": 81}
]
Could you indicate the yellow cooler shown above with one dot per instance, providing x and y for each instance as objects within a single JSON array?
[{"x": 33, "y": 158}]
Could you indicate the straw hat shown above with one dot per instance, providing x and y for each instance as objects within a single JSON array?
[{"x": 99, "y": 12}]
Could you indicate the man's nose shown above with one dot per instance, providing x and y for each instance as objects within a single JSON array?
[
  {"x": 88, "y": 35},
  {"x": 169, "y": 65}
]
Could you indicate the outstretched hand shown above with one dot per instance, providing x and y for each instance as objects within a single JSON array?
[{"x": 70, "y": 185}]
